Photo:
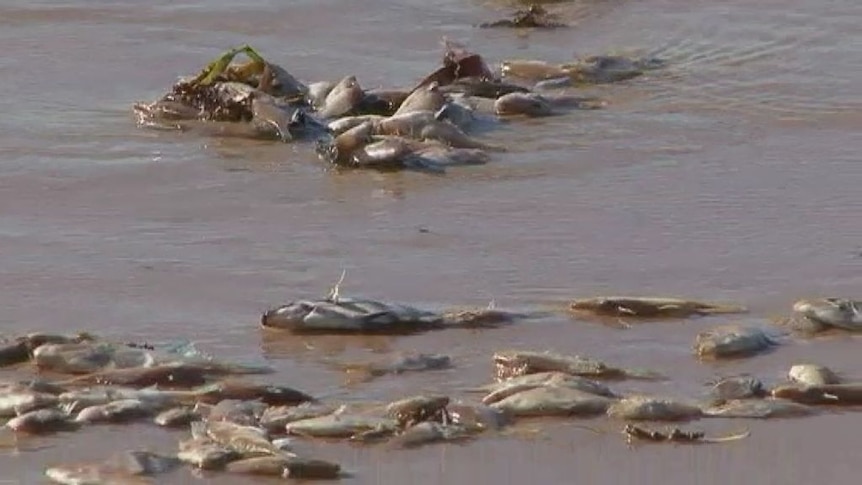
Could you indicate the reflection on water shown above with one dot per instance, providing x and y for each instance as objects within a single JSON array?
[{"x": 276, "y": 344}]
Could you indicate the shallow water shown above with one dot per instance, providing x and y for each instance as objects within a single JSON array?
[{"x": 731, "y": 175}]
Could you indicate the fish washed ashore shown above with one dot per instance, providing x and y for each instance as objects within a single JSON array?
[
  {"x": 628, "y": 149},
  {"x": 245, "y": 427}
]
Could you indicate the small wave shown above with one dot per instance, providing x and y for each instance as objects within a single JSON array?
[{"x": 759, "y": 61}]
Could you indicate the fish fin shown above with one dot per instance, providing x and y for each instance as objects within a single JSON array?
[
  {"x": 627, "y": 310},
  {"x": 334, "y": 291},
  {"x": 198, "y": 429}
]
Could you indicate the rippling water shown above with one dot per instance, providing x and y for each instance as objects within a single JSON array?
[{"x": 733, "y": 174}]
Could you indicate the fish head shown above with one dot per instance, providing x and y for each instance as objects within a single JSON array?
[
  {"x": 326, "y": 149},
  {"x": 287, "y": 317},
  {"x": 838, "y": 312},
  {"x": 523, "y": 103}
]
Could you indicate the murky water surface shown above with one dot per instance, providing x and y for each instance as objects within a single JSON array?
[{"x": 733, "y": 174}]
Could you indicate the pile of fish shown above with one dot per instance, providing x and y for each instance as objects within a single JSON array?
[
  {"x": 243, "y": 426},
  {"x": 426, "y": 127}
]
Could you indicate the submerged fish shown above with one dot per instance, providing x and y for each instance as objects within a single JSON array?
[
  {"x": 732, "y": 341},
  {"x": 293, "y": 467},
  {"x": 647, "y": 408},
  {"x": 649, "y": 307},
  {"x": 513, "y": 363}
]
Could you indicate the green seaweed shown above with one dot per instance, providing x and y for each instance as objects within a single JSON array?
[{"x": 217, "y": 67}]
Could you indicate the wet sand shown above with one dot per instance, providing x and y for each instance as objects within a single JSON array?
[{"x": 731, "y": 175}]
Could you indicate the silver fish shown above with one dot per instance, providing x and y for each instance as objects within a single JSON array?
[
  {"x": 206, "y": 454},
  {"x": 47, "y": 420},
  {"x": 553, "y": 401},
  {"x": 84, "y": 358},
  {"x": 526, "y": 104},
  {"x": 340, "y": 425},
  {"x": 831, "y": 312},
  {"x": 18, "y": 401},
  {"x": 350, "y": 315},
  {"x": 116, "y": 412},
  {"x": 647, "y": 408}
]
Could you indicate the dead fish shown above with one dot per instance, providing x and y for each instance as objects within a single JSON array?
[
  {"x": 525, "y": 104},
  {"x": 458, "y": 63},
  {"x": 649, "y": 307},
  {"x": 342, "y": 99},
  {"x": 271, "y": 118},
  {"x": 523, "y": 383},
  {"x": 488, "y": 317},
  {"x": 85, "y": 358},
  {"x": 416, "y": 409},
  {"x": 759, "y": 409},
  {"x": 849, "y": 394},
  {"x": 534, "y": 17},
  {"x": 129, "y": 467},
  {"x": 391, "y": 152},
  {"x": 840, "y": 313},
  {"x": 457, "y": 111},
  {"x": 282, "y": 84},
  {"x": 317, "y": 93},
  {"x": 349, "y": 315},
  {"x": 172, "y": 375},
  {"x": 275, "y": 418},
  {"x": 482, "y": 87},
  {"x": 341, "y": 149},
  {"x": 531, "y": 70},
  {"x": 35, "y": 385},
  {"x": 271, "y": 395},
  {"x": 428, "y": 432},
  {"x": 338, "y": 425},
  {"x": 634, "y": 432},
  {"x": 602, "y": 69},
  {"x": 42, "y": 421},
  {"x": 246, "y": 413},
  {"x": 77, "y": 400},
  {"x": 477, "y": 417},
  {"x": 116, "y": 412},
  {"x": 426, "y": 125},
  {"x": 206, "y": 454},
  {"x": 394, "y": 98},
  {"x": 647, "y": 408},
  {"x": 339, "y": 126},
  {"x": 732, "y": 341},
  {"x": 426, "y": 98},
  {"x": 399, "y": 364},
  {"x": 177, "y": 417},
  {"x": 512, "y": 363},
  {"x": 246, "y": 440},
  {"x": 18, "y": 401},
  {"x": 286, "y": 467},
  {"x": 737, "y": 387},
  {"x": 553, "y": 401},
  {"x": 812, "y": 375}
]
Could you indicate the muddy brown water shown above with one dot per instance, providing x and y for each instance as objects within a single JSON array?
[{"x": 734, "y": 175}]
